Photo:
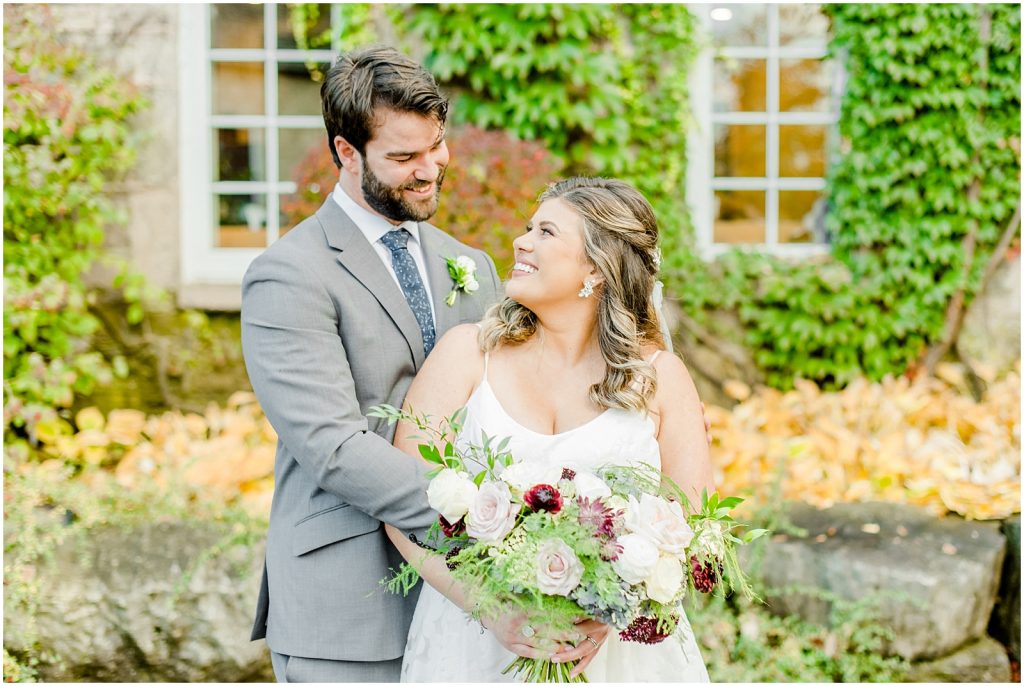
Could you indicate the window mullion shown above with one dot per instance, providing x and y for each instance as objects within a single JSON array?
[
  {"x": 270, "y": 107},
  {"x": 772, "y": 132},
  {"x": 335, "y": 31}
]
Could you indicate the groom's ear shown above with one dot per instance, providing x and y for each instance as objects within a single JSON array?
[{"x": 349, "y": 156}]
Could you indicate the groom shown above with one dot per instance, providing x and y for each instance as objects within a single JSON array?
[{"x": 337, "y": 316}]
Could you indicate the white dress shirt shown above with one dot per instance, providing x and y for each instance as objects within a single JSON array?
[{"x": 374, "y": 227}]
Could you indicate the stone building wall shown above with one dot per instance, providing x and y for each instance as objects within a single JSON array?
[{"x": 140, "y": 42}]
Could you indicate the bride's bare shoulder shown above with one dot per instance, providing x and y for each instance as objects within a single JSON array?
[{"x": 460, "y": 342}]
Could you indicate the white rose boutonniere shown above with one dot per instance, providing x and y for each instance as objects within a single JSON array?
[{"x": 462, "y": 269}]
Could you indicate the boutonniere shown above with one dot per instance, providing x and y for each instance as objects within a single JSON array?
[{"x": 462, "y": 269}]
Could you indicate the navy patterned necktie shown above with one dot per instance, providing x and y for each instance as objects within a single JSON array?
[{"x": 411, "y": 283}]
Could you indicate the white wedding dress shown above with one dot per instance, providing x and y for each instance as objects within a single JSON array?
[{"x": 446, "y": 645}]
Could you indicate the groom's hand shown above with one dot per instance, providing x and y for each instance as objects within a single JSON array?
[{"x": 589, "y": 636}]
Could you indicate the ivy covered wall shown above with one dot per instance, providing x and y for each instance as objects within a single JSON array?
[{"x": 921, "y": 196}]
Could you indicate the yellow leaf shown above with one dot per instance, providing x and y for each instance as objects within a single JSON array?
[
  {"x": 49, "y": 431},
  {"x": 737, "y": 390},
  {"x": 89, "y": 418}
]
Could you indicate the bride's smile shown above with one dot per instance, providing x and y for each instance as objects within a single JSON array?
[{"x": 551, "y": 263}]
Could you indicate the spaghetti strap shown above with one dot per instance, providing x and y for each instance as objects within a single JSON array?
[
  {"x": 487, "y": 357},
  {"x": 650, "y": 361}
]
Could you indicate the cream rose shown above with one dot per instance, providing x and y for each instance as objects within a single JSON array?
[
  {"x": 451, "y": 493},
  {"x": 558, "y": 569},
  {"x": 660, "y": 520},
  {"x": 492, "y": 514},
  {"x": 665, "y": 579},
  {"x": 636, "y": 559},
  {"x": 522, "y": 476},
  {"x": 590, "y": 486}
]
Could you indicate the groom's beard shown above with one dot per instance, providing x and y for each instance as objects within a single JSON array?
[{"x": 390, "y": 202}]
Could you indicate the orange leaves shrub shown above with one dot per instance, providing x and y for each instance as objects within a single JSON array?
[{"x": 925, "y": 442}]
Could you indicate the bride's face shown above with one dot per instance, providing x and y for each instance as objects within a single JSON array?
[{"x": 551, "y": 263}]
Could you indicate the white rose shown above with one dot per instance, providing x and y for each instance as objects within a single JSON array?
[
  {"x": 492, "y": 514},
  {"x": 665, "y": 579},
  {"x": 590, "y": 486},
  {"x": 451, "y": 493},
  {"x": 660, "y": 520},
  {"x": 465, "y": 263},
  {"x": 558, "y": 569},
  {"x": 636, "y": 559},
  {"x": 470, "y": 284},
  {"x": 522, "y": 476}
]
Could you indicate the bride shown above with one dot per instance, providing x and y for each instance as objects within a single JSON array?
[{"x": 570, "y": 366}]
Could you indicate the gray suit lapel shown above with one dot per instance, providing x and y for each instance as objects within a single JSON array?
[
  {"x": 435, "y": 255},
  {"x": 361, "y": 260}
]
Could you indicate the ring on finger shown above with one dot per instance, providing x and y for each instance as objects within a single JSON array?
[
  {"x": 591, "y": 639},
  {"x": 528, "y": 631}
]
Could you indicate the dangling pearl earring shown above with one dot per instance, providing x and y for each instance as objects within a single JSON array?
[{"x": 587, "y": 290}]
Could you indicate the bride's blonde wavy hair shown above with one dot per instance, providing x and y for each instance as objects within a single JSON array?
[{"x": 620, "y": 238}]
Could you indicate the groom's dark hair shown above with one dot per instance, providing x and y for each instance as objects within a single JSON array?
[{"x": 365, "y": 80}]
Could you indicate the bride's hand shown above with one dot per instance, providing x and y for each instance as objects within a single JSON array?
[
  {"x": 590, "y": 635},
  {"x": 518, "y": 636}
]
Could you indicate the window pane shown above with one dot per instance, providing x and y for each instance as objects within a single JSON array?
[
  {"x": 739, "y": 150},
  {"x": 801, "y": 217},
  {"x": 739, "y": 85},
  {"x": 238, "y": 88},
  {"x": 317, "y": 25},
  {"x": 236, "y": 26},
  {"x": 739, "y": 25},
  {"x": 802, "y": 150},
  {"x": 240, "y": 155},
  {"x": 298, "y": 88},
  {"x": 739, "y": 217},
  {"x": 241, "y": 220},
  {"x": 804, "y": 85},
  {"x": 304, "y": 156},
  {"x": 802, "y": 25}
]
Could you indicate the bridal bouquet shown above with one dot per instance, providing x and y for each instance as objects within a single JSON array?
[{"x": 559, "y": 542}]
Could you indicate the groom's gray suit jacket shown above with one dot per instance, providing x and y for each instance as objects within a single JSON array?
[{"x": 327, "y": 334}]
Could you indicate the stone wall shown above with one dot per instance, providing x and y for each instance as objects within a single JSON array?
[
  {"x": 174, "y": 601},
  {"x": 936, "y": 582},
  {"x": 140, "y": 42}
]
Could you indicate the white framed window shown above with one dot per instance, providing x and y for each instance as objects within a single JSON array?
[
  {"x": 765, "y": 101},
  {"x": 250, "y": 115}
]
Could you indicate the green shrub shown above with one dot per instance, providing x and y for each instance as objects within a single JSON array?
[
  {"x": 65, "y": 138},
  {"x": 603, "y": 87}
]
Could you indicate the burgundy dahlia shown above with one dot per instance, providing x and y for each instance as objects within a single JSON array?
[
  {"x": 645, "y": 630},
  {"x": 543, "y": 497},
  {"x": 452, "y": 530},
  {"x": 705, "y": 576}
]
